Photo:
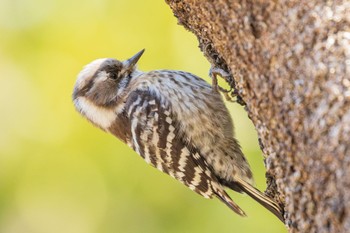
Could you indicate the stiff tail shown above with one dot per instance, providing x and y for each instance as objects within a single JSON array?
[
  {"x": 225, "y": 198},
  {"x": 260, "y": 197}
]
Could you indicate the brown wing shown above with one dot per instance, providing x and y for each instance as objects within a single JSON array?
[{"x": 152, "y": 131}]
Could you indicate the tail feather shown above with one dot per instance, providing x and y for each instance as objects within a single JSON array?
[
  {"x": 225, "y": 198},
  {"x": 260, "y": 197}
]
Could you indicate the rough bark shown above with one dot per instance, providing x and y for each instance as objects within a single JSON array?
[{"x": 290, "y": 65}]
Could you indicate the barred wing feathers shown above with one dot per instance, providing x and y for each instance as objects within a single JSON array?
[{"x": 153, "y": 133}]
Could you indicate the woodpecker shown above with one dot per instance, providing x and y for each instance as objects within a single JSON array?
[{"x": 174, "y": 120}]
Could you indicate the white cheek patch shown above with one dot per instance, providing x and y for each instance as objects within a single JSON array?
[
  {"x": 88, "y": 72},
  {"x": 100, "y": 116}
]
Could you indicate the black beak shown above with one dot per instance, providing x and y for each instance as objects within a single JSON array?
[{"x": 131, "y": 62}]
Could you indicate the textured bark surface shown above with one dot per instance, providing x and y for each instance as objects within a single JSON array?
[{"x": 290, "y": 62}]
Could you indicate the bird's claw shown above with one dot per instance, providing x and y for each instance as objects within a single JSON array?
[{"x": 213, "y": 72}]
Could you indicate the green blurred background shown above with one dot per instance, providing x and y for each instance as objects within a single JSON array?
[{"x": 58, "y": 173}]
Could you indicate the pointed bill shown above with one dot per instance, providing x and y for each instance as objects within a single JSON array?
[{"x": 131, "y": 62}]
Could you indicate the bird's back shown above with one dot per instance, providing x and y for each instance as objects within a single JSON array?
[{"x": 203, "y": 119}]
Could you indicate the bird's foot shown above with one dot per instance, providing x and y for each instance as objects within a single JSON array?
[{"x": 213, "y": 72}]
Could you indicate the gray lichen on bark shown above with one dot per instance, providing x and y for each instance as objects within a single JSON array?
[{"x": 290, "y": 63}]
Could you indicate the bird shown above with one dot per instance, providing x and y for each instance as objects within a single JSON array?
[{"x": 175, "y": 120}]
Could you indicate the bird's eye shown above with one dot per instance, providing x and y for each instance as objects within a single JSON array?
[
  {"x": 113, "y": 76},
  {"x": 113, "y": 71}
]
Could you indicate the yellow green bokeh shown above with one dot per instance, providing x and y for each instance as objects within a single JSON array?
[{"x": 58, "y": 173}]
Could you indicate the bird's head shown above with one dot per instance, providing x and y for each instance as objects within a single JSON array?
[
  {"x": 100, "y": 84},
  {"x": 103, "y": 80}
]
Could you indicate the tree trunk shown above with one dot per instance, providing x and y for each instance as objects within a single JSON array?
[{"x": 290, "y": 66}]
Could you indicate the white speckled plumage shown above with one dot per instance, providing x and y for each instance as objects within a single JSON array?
[{"x": 174, "y": 120}]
